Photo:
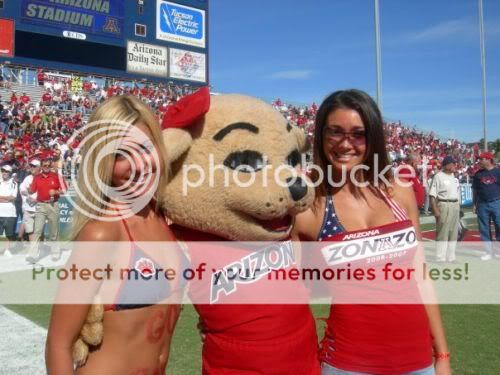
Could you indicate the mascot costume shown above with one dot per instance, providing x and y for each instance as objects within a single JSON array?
[{"x": 240, "y": 134}]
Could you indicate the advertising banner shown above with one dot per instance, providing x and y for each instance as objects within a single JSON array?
[
  {"x": 188, "y": 65},
  {"x": 99, "y": 17},
  {"x": 465, "y": 195},
  {"x": 148, "y": 59},
  {"x": 77, "y": 85},
  {"x": 6, "y": 38},
  {"x": 180, "y": 24},
  {"x": 65, "y": 217}
]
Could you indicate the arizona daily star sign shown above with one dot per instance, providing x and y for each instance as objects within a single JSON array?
[
  {"x": 180, "y": 24},
  {"x": 143, "y": 58}
]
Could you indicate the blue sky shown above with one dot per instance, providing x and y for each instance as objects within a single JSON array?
[{"x": 302, "y": 50}]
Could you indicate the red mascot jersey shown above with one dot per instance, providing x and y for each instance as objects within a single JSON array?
[{"x": 250, "y": 338}]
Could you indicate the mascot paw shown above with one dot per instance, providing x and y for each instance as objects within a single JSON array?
[
  {"x": 80, "y": 352},
  {"x": 92, "y": 333},
  {"x": 96, "y": 313}
]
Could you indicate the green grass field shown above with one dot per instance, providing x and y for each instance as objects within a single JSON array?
[{"x": 472, "y": 332}]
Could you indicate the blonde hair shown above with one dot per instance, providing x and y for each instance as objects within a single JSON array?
[{"x": 119, "y": 109}]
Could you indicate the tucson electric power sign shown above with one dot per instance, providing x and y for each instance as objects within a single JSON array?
[
  {"x": 153, "y": 39},
  {"x": 180, "y": 24}
]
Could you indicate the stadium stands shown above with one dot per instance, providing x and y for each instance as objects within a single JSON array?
[{"x": 59, "y": 104}]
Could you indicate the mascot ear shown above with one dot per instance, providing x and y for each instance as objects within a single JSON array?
[
  {"x": 179, "y": 118},
  {"x": 304, "y": 144},
  {"x": 177, "y": 141}
]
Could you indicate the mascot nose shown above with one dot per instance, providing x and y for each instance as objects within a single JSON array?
[{"x": 298, "y": 189}]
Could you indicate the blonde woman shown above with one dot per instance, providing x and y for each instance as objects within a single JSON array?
[{"x": 118, "y": 189}]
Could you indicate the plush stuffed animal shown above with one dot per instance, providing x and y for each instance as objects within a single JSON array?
[
  {"x": 90, "y": 334},
  {"x": 245, "y": 136}
]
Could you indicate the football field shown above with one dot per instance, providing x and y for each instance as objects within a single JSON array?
[{"x": 472, "y": 332}]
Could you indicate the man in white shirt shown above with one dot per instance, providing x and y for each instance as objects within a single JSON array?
[
  {"x": 8, "y": 215},
  {"x": 29, "y": 200},
  {"x": 444, "y": 193}
]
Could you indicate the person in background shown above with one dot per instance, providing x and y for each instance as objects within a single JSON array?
[
  {"x": 25, "y": 99},
  {"x": 444, "y": 193},
  {"x": 29, "y": 201},
  {"x": 486, "y": 198},
  {"x": 410, "y": 172},
  {"x": 40, "y": 76},
  {"x": 8, "y": 193},
  {"x": 13, "y": 98},
  {"x": 48, "y": 186}
]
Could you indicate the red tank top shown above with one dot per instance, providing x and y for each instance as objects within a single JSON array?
[
  {"x": 249, "y": 338},
  {"x": 383, "y": 339}
]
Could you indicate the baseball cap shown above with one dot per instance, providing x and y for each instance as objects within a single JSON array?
[
  {"x": 35, "y": 163},
  {"x": 7, "y": 168},
  {"x": 486, "y": 155},
  {"x": 448, "y": 160}
]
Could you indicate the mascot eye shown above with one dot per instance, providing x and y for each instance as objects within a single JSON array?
[
  {"x": 294, "y": 158},
  {"x": 245, "y": 161}
]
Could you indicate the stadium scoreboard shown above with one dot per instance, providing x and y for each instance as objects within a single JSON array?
[{"x": 134, "y": 39}]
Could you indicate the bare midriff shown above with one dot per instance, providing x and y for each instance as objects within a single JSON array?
[{"x": 135, "y": 342}]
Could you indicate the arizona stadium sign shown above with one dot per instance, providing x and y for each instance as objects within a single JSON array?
[{"x": 102, "y": 17}]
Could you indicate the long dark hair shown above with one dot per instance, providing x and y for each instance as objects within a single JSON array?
[{"x": 369, "y": 112}]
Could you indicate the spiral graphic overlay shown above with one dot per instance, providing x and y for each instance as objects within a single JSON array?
[{"x": 105, "y": 142}]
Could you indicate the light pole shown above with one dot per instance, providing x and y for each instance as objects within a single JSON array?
[
  {"x": 378, "y": 59},
  {"x": 483, "y": 70}
]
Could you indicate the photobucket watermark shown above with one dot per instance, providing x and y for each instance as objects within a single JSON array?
[{"x": 265, "y": 173}]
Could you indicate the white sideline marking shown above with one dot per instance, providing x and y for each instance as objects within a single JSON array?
[
  {"x": 18, "y": 262},
  {"x": 22, "y": 345}
]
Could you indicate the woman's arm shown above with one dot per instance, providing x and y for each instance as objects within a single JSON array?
[
  {"x": 67, "y": 320},
  {"x": 406, "y": 197}
]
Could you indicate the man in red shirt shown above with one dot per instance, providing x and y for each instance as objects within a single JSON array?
[
  {"x": 25, "y": 99},
  {"x": 40, "y": 77},
  {"x": 46, "y": 98},
  {"x": 13, "y": 98},
  {"x": 48, "y": 186},
  {"x": 111, "y": 91}
]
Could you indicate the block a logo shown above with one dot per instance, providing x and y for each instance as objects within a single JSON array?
[
  {"x": 180, "y": 24},
  {"x": 111, "y": 26}
]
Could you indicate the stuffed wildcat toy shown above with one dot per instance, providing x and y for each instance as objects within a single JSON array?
[
  {"x": 242, "y": 136},
  {"x": 90, "y": 334}
]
